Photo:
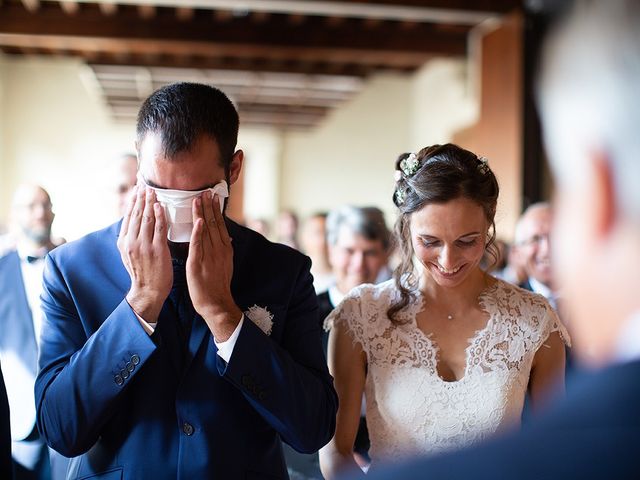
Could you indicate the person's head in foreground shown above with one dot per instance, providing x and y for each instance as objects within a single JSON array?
[{"x": 590, "y": 107}]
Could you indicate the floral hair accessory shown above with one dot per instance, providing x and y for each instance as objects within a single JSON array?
[
  {"x": 400, "y": 196},
  {"x": 410, "y": 165},
  {"x": 262, "y": 317},
  {"x": 483, "y": 165}
]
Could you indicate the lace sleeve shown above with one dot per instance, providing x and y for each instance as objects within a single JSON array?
[
  {"x": 349, "y": 314},
  {"x": 553, "y": 324}
]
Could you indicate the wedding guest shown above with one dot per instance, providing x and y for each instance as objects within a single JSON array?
[
  {"x": 588, "y": 97},
  {"x": 177, "y": 343},
  {"x": 21, "y": 267},
  {"x": 444, "y": 353},
  {"x": 533, "y": 246},
  {"x": 259, "y": 225},
  {"x": 314, "y": 243},
  {"x": 127, "y": 177},
  {"x": 287, "y": 229}
]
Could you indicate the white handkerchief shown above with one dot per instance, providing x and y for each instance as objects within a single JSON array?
[{"x": 177, "y": 208}]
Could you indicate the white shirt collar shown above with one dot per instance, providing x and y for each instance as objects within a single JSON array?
[
  {"x": 628, "y": 345},
  {"x": 540, "y": 288},
  {"x": 335, "y": 296}
]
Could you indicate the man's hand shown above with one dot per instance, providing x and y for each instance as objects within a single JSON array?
[
  {"x": 145, "y": 254},
  {"x": 210, "y": 268}
]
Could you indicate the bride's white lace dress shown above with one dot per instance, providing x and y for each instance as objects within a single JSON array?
[{"x": 410, "y": 409}]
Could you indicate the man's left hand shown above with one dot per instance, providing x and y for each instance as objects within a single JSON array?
[{"x": 210, "y": 268}]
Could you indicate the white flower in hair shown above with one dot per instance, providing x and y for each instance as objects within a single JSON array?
[
  {"x": 262, "y": 317},
  {"x": 410, "y": 165},
  {"x": 483, "y": 166}
]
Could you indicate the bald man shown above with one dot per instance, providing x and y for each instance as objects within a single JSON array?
[{"x": 21, "y": 269}]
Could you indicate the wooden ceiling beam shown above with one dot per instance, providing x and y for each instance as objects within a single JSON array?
[
  {"x": 458, "y": 11},
  {"x": 70, "y": 8},
  {"x": 278, "y": 33},
  {"x": 184, "y": 14},
  {"x": 108, "y": 8},
  {"x": 31, "y": 5},
  {"x": 220, "y": 51}
]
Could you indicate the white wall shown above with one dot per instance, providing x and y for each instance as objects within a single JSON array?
[
  {"x": 54, "y": 130},
  {"x": 4, "y": 167},
  {"x": 351, "y": 157},
  {"x": 57, "y": 133},
  {"x": 262, "y": 152},
  {"x": 442, "y": 103}
]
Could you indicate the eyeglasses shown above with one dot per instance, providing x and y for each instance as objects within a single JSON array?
[{"x": 535, "y": 240}]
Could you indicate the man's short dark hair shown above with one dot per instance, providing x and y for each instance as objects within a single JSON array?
[{"x": 181, "y": 112}]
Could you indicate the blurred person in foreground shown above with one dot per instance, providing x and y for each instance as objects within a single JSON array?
[
  {"x": 176, "y": 343},
  {"x": 314, "y": 243},
  {"x": 590, "y": 105},
  {"x": 444, "y": 353},
  {"x": 21, "y": 268}
]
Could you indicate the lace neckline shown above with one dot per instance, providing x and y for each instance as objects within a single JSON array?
[{"x": 413, "y": 309}]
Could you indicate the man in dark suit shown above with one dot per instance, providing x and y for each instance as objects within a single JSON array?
[
  {"x": 588, "y": 97},
  {"x": 6, "y": 468},
  {"x": 187, "y": 358},
  {"x": 21, "y": 266}
]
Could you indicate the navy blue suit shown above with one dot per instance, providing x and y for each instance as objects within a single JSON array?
[
  {"x": 591, "y": 435},
  {"x": 131, "y": 407},
  {"x": 6, "y": 469}
]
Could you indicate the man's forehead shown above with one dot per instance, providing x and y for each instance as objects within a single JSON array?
[{"x": 27, "y": 194}]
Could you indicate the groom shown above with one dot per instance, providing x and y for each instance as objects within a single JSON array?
[
  {"x": 189, "y": 358},
  {"x": 590, "y": 108}
]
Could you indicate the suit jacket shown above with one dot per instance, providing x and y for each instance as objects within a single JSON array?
[
  {"x": 18, "y": 347},
  {"x": 112, "y": 394},
  {"x": 591, "y": 435},
  {"x": 6, "y": 468}
]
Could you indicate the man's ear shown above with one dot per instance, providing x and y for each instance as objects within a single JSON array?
[
  {"x": 236, "y": 166},
  {"x": 604, "y": 207}
]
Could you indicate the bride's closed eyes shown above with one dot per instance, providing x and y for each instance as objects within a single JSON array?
[{"x": 464, "y": 242}]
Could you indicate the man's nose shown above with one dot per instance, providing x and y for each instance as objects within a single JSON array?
[
  {"x": 543, "y": 244},
  {"x": 357, "y": 260}
]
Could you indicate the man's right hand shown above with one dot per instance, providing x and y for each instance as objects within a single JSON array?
[{"x": 145, "y": 254}]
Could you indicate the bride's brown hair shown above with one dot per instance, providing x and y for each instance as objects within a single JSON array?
[{"x": 436, "y": 174}]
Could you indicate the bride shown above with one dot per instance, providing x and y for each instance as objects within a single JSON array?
[{"x": 444, "y": 353}]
